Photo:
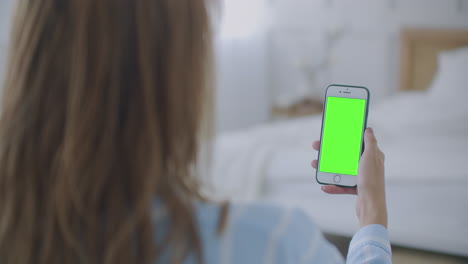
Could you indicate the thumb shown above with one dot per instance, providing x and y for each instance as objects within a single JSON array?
[{"x": 369, "y": 138}]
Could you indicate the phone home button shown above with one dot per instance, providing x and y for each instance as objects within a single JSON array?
[{"x": 337, "y": 178}]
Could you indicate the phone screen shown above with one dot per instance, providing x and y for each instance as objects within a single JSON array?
[{"x": 343, "y": 128}]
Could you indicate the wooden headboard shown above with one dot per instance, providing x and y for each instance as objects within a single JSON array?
[{"x": 418, "y": 54}]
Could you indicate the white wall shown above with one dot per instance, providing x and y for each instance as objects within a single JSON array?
[
  {"x": 368, "y": 52},
  {"x": 243, "y": 98},
  {"x": 243, "y": 95}
]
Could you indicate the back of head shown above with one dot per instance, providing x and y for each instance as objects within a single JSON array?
[{"x": 102, "y": 111}]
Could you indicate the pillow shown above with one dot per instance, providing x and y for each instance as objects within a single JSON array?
[{"x": 452, "y": 76}]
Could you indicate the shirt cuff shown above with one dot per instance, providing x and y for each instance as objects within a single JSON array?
[{"x": 376, "y": 235}]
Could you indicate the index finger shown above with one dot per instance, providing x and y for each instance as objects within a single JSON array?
[
  {"x": 316, "y": 145},
  {"x": 369, "y": 137}
]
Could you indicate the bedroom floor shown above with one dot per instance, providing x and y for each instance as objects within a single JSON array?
[{"x": 404, "y": 255}]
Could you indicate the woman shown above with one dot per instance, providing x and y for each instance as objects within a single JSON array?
[{"x": 105, "y": 107}]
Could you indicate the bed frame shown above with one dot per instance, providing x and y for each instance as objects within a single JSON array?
[{"x": 418, "y": 54}]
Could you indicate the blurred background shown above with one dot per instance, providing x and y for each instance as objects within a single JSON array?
[{"x": 275, "y": 59}]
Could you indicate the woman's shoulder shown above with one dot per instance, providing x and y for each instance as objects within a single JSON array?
[{"x": 260, "y": 232}]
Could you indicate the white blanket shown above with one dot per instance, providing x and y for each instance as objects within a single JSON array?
[
  {"x": 423, "y": 140},
  {"x": 240, "y": 159}
]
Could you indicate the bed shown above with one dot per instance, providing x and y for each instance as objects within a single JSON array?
[{"x": 423, "y": 130}]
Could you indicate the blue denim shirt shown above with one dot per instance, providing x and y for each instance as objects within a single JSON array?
[{"x": 266, "y": 234}]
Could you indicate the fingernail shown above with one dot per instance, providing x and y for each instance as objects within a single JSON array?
[{"x": 371, "y": 130}]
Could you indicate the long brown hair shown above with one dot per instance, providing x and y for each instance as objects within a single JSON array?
[{"x": 102, "y": 112}]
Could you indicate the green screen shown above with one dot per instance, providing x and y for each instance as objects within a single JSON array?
[{"x": 342, "y": 135}]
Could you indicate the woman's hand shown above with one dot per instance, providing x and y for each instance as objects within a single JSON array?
[{"x": 371, "y": 207}]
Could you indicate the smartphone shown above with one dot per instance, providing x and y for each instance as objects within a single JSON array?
[{"x": 342, "y": 138}]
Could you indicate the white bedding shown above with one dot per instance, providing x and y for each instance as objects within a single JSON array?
[
  {"x": 423, "y": 140},
  {"x": 415, "y": 160}
]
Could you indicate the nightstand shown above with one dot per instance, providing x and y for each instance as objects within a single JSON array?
[{"x": 305, "y": 107}]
